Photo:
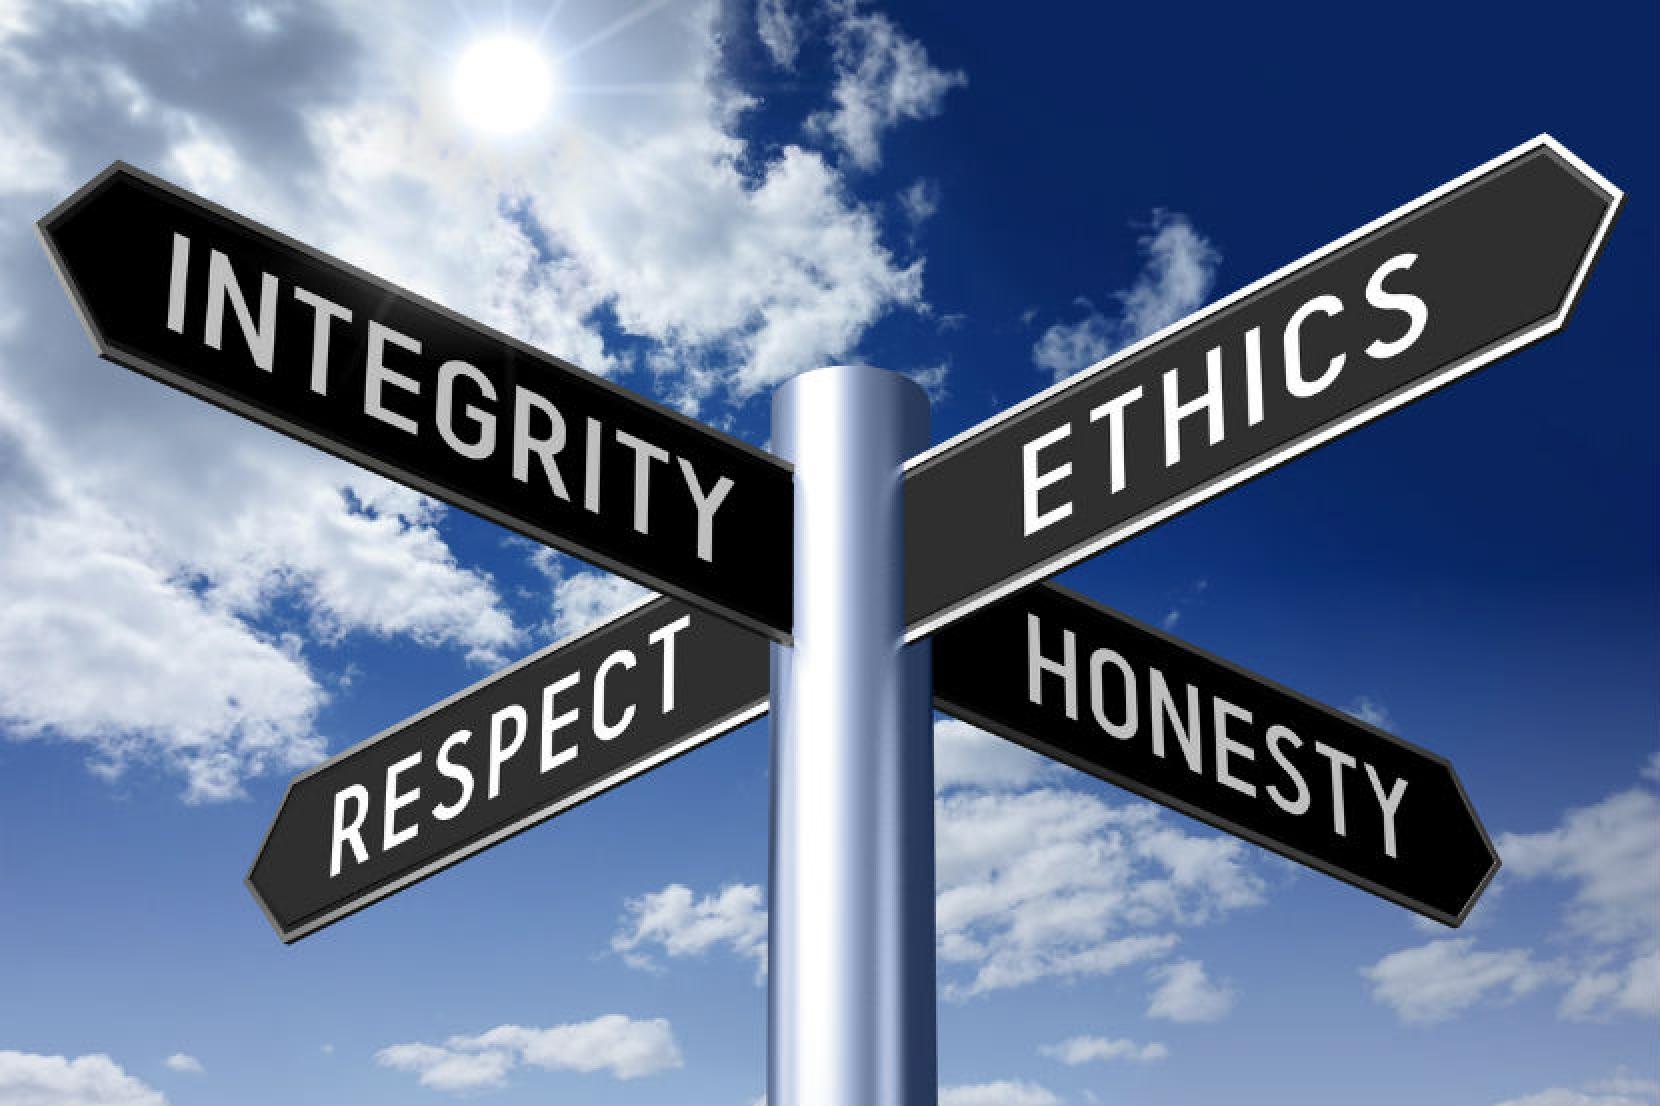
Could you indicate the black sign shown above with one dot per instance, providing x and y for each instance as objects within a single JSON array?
[
  {"x": 554, "y": 730},
  {"x": 1424, "y": 295},
  {"x": 1060, "y": 674},
  {"x": 236, "y": 314}
]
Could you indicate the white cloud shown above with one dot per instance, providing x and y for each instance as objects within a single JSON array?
[
  {"x": 779, "y": 30},
  {"x": 181, "y": 544},
  {"x": 1562, "y": 1096},
  {"x": 1606, "y": 852},
  {"x": 932, "y": 380},
  {"x": 1612, "y": 920},
  {"x": 1066, "y": 348},
  {"x": 628, "y": 1048},
  {"x": 581, "y": 597},
  {"x": 741, "y": 272},
  {"x": 1052, "y": 883},
  {"x": 1082, "y": 1050},
  {"x": 681, "y": 924},
  {"x": 584, "y": 598},
  {"x": 1002, "y": 1092},
  {"x": 446, "y": 1069},
  {"x": 184, "y": 1062},
  {"x": 920, "y": 201},
  {"x": 1432, "y": 982},
  {"x": 103, "y": 645},
  {"x": 32, "y": 1079},
  {"x": 130, "y": 619},
  {"x": 1631, "y": 988},
  {"x": 1186, "y": 599},
  {"x": 1623, "y": 1082},
  {"x": 967, "y": 756},
  {"x": 27, "y": 163},
  {"x": 1034, "y": 883},
  {"x": 1186, "y": 994},
  {"x": 883, "y": 77},
  {"x": 146, "y": 538},
  {"x": 1610, "y": 925},
  {"x": 1619, "y": 1089},
  {"x": 1178, "y": 270},
  {"x": 1371, "y": 712}
]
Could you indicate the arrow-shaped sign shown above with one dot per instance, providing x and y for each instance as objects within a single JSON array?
[
  {"x": 1065, "y": 676},
  {"x": 234, "y": 313},
  {"x": 535, "y": 739},
  {"x": 1428, "y": 293}
]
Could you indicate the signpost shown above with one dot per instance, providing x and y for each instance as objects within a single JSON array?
[
  {"x": 533, "y": 740},
  {"x": 216, "y": 305},
  {"x": 1064, "y": 676},
  {"x": 1428, "y": 293},
  {"x": 859, "y": 556}
]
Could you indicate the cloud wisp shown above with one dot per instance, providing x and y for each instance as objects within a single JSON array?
[
  {"x": 625, "y": 1048},
  {"x": 679, "y": 924},
  {"x": 1035, "y": 881},
  {"x": 1186, "y": 993},
  {"x": 1611, "y": 919},
  {"x": 171, "y": 598},
  {"x": 883, "y": 78},
  {"x": 31, "y": 1078},
  {"x": 1178, "y": 270},
  {"x": 998, "y": 1092},
  {"x": 1083, "y": 1050}
]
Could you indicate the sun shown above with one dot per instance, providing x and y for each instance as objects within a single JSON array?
[{"x": 503, "y": 84}]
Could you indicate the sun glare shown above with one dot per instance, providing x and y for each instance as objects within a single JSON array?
[{"x": 503, "y": 85}]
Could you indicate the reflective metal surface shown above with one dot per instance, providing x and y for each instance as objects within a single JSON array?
[{"x": 851, "y": 921}]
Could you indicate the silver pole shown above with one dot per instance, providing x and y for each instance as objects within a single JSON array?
[{"x": 850, "y": 929}]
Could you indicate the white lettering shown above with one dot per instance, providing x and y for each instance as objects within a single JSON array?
[
  {"x": 664, "y": 636},
  {"x": 1098, "y": 660},
  {"x": 460, "y": 773},
  {"x": 552, "y": 723},
  {"x": 500, "y": 751},
  {"x": 484, "y": 420},
  {"x": 1339, "y": 761},
  {"x": 606, "y": 730},
  {"x": 176, "y": 283},
  {"x": 1415, "y": 310},
  {"x": 1299, "y": 805},
  {"x": 595, "y": 442},
  {"x": 1164, "y": 709},
  {"x": 222, "y": 286},
  {"x": 1037, "y": 664},
  {"x": 707, "y": 505},
  {"x": 392, "y": 836},
  {"x": 1253, "y": 376},
  {"x": 1221, "y": 712},
  {"x": 644, "y": 454},
  {"x": 352, "y": 834},
  {"x": 1033, "y": 482},
  {"x": 544, "y": 448},
  {"x": 1113, "y": 410},
  {"x": 1295, "y": 382},
  {"x": 325, "y": 312},
  {"x": 376, "y": 373},
  {"x": 1388, "y": 804},
  {"x": 1208, "y": 401}
]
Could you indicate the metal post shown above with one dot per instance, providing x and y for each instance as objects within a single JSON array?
[{"x": 850, "y": 931}]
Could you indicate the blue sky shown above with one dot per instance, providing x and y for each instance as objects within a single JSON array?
[{"x": 193, "y": 609}]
